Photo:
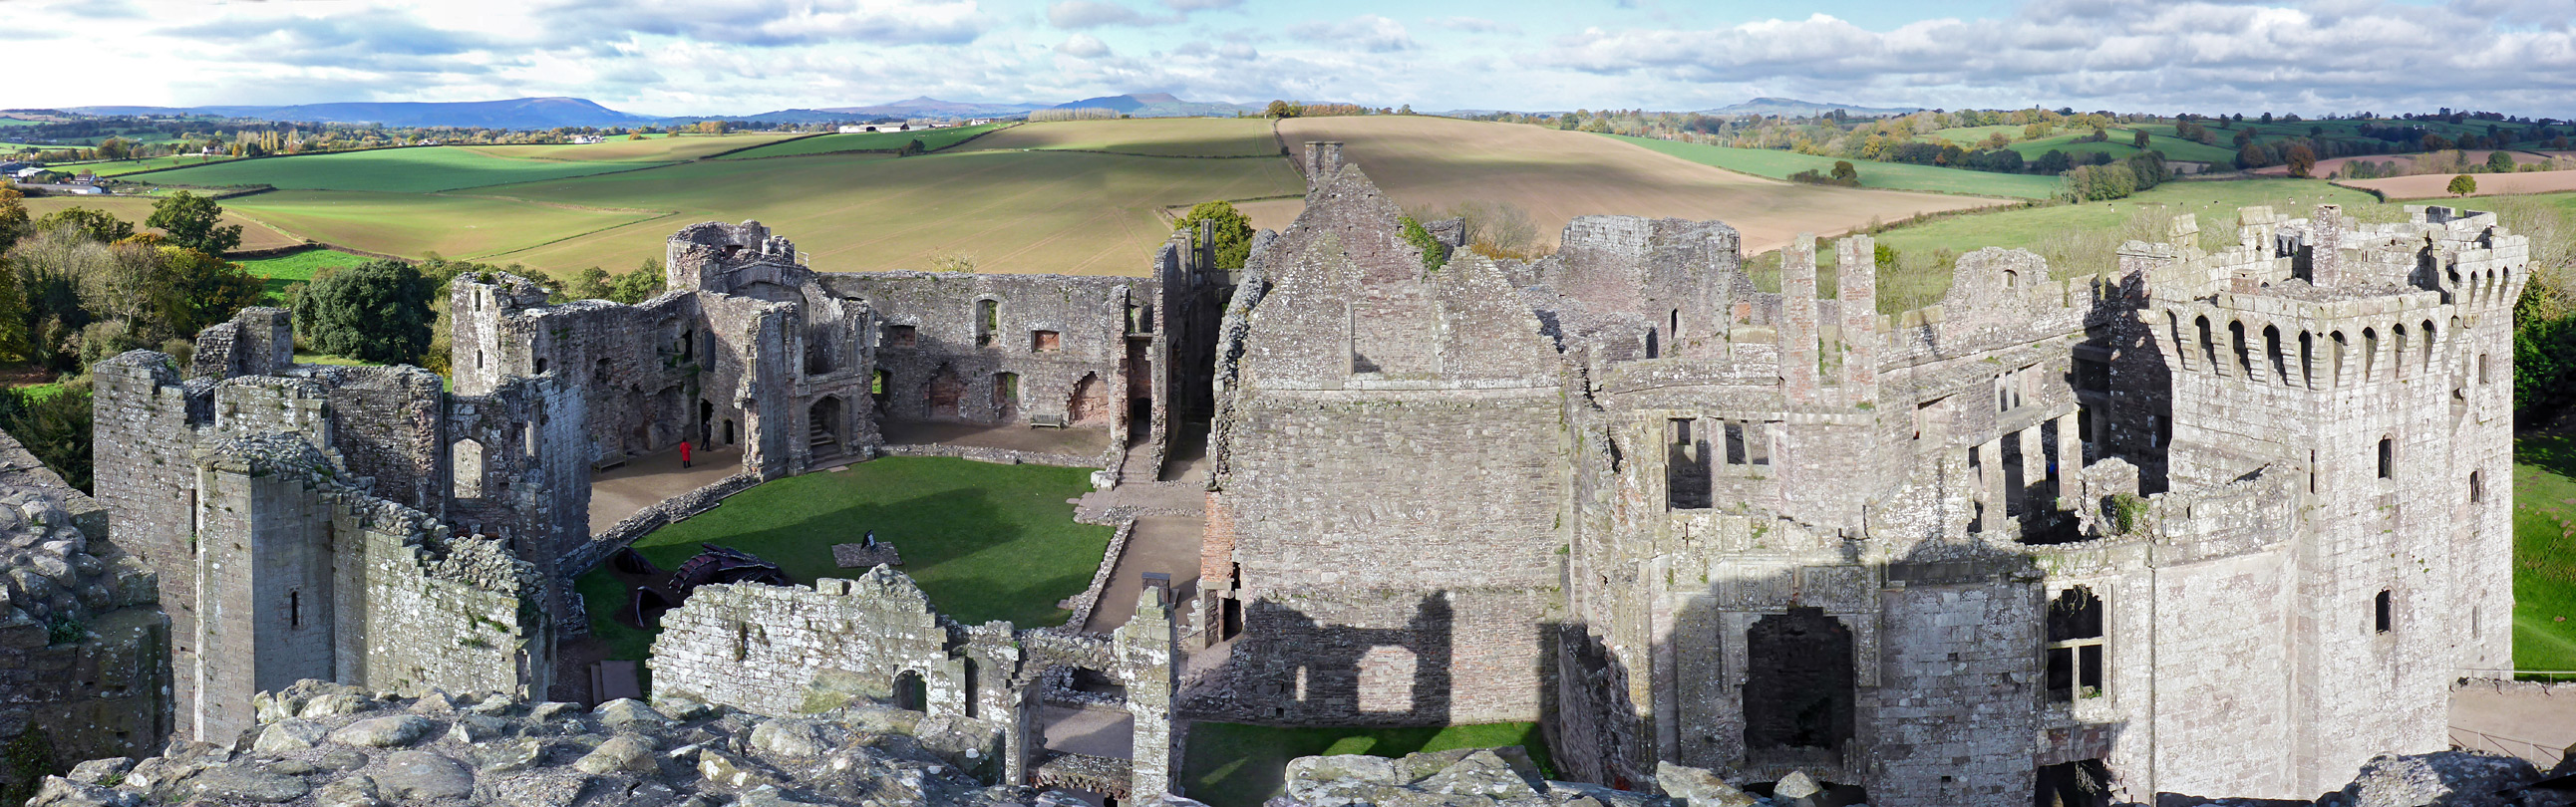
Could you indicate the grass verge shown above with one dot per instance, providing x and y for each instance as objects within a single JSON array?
[
  {"x": 2544, "y": 552},
  {"x": 985, "y": 541},
  {"x": 282, "y": 271},
  {"x": 1236, "y": 765}
]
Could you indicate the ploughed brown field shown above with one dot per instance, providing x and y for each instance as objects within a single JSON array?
[
  {"x": 2327, "y": 168},
  {"x": 2430, "y": 186},
  {"x": 1555, "y": 176}
]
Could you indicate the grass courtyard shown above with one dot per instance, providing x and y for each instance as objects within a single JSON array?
[
  {"x": 1235, "y": 765},
  {"x": 2544, "y": 538},
  {"x": 985, "y": 541}
]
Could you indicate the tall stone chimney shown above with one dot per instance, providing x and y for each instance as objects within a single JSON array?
[
  {"x": 2325, "y": 246},
  {"x": 1323, "y": 160}
]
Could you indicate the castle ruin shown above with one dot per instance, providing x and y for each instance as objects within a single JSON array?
[{"x": 2217, "y": 523}]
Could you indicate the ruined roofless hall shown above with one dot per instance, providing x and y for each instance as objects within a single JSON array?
[{"x": 2223, "y": 521}]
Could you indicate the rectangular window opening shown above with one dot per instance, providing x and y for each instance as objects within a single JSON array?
[
  {"x": 2386, "y": 613},
  {"x": 1045, "y": 341}
]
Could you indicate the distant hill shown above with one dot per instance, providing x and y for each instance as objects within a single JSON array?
[
  {"x": 1794, "y": 108},
  {"x": 516, "y": 113},
  {"x": 1157, "y": 105},
  {"x": 926, "y": 105}
]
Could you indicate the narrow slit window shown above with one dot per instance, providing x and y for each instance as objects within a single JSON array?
[
  {"x": 2387, "y": 458},
  {"x": 2386, "y": 612}
]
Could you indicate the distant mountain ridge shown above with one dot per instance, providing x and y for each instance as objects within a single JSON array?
[
  {"x": 1794, "y": 108},
  {"x": 1157, "y": 105},
  {"x": 515, "y": 113}
]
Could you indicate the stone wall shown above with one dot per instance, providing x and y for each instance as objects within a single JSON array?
[
  {"x": 84, "y": 649},
  {"x": 770, "y": 649}
]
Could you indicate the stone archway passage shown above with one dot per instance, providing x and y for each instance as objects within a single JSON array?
[
  {"x": 827, "y": 429},
  {"x": 1799, "y": 684}
]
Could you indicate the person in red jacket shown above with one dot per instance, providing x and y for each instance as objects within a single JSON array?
[{"x": 684, "y": 453}]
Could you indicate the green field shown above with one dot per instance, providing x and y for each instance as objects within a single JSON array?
[
  {"x": 122, "y": 167},
  {"x": 1778, "y": 164},
  {"x": 2090, "y": 232},
  {"x": 2544, "y": 552},
  {"x": 1235, "y": 765},
  {"x": 403, "y": 170},
  {"x": 415, "y": 225},
  {"x": 985, "y": 541},
  {"x": 651, "y": 149},
  {"x": 286, "y": 270},
  {"x": 931, "y": 140},
  {"x": 1151, "y": 137},
  {"x": 1014, "y": 211}
]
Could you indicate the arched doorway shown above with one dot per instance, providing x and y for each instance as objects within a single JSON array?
[
  {"x": 1006, "y": 396},
  {"x": 827, "y": 427},
  {"x": 1089, "y": 405},
  {"x": 910, "y": 692},
  {"x": 1799, "y": 692},
  {"x": 465, "y": 458}
]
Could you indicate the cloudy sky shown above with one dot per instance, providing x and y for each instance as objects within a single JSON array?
[{"x": 742, "y": 56}]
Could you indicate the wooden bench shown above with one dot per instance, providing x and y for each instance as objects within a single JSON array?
[{"x": 1046, "y": 421}]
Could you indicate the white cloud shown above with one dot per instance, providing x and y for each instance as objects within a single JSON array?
[
  {"x": 1078, "y": 14},
  {"x": 1083, "y": 46},
  {"x": 1366, "y": 32},
  {"x": 1476, "y": 25}
]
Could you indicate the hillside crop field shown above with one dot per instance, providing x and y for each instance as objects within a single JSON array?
[
  {"x": 404, "y": 170},
  {"x": 651, "y": 149},
  {"x": 1159, "y": 137},
  {"x": 1554, "y": 176},
  {"x": 1012, "y": 211},
  {"x": 255, "y": 236},
  {"x": 1778, "y": 164},
  {"x": 2436, "y": 186},
  {"x": 414, "y": 225},
  {"x": 931, "y": 140}
]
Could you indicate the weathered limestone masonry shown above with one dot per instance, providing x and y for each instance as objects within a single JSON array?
[
  {"x": 2218, "y": 523},
  {"x": 84, "y": 650},
  {"x": 790, "y": 650},
  {"x": 1391, "y": 458},
  {"x": 293, "y": 514}
]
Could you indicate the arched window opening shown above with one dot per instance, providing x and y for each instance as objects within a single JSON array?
[
  {"x": 2272, "y": 348},
  {"x": 2384, "y": 612},
  {"x": 2482, "y": 368},
  {"x": 2369, "y": 354},
  {"x": 2477, "y": 488},
  {"x": 2429, "y": 340},
  {"x": 2244, "y": 357},
  {"x": 2397, "y": 350},
  {"x": 988, "y": 320},
  {"x": 2307, "y": 359},
  {"x": 2387, "y": 458},
  {"x": 2208, "y": 344},
  {"x": 2342, "y": 347}
]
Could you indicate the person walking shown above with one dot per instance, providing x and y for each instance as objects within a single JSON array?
[{"x": 684, "y": 453}]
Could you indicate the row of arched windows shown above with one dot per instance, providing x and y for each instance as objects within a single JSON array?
[{"x": 2334, "y": 359}]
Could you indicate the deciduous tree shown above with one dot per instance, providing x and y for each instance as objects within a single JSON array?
[
  {"x": 2462, "y": 185},
  {"x": 377, "y": 311},
  {"x": 195, "y": 222},
  {"x": 1233, "y": 231}
]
